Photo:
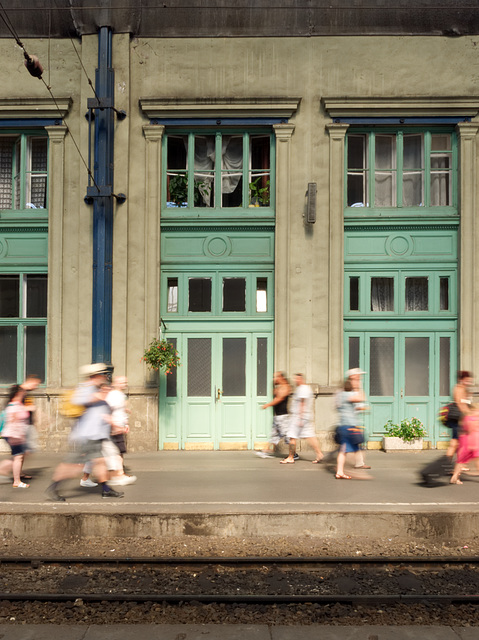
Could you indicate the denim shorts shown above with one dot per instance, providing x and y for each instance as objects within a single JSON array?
[
  {"x": 346, "y": 445},
  {"x": 17, "y": 449}
]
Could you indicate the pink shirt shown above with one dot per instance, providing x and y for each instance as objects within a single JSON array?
[{"x": 17, "y": 421}]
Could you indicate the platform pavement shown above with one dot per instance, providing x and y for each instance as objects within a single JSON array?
[
  {"x": 228, "y": 493},
  {"x": 233, "y": 632},
  {"x": 217, "y": 481}
]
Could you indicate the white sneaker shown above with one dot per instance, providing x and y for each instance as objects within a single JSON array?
[
  {"x": 88, "y": 483},
  {"x": 121, "y": 480},
  {"x": 264, "y": 454}
]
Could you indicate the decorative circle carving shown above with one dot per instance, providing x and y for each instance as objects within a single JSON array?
[
  {"x": 217, "y": 247},
  {"x": 399, "y": 245}
]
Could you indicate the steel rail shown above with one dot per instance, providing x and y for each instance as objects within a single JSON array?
[
  {"x": 242, "y": 599},
  {"x": 247, "y": 560}
]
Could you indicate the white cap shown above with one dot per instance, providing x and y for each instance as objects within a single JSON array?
[
  {"x": 96, "y": 369},
  {"x": 355, "y": 372}
]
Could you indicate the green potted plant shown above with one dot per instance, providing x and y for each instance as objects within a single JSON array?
[
  {"x": 161, "y": 354},
  {"x": 408, "y": 434},
  {"x": 178, "y": 189},
  {"x": 259, "y": 196}
]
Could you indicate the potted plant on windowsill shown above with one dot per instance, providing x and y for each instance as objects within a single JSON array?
[
  {"x": 258, "y": 195},
  {"x": 178, "y": 191},
  {"x": 161, "y": 354},
  {"x": 407, "y": 435}
]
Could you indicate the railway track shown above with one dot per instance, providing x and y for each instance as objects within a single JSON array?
[
  {"x": 255, "y": 576},
  {"x": 429, "y": 561}
]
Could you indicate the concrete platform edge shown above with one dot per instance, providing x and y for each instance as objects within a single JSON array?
[
  {"x": 440, "y": 525},
  {"x": 232, "y": 632}
]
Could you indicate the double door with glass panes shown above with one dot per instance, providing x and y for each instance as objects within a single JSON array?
[
  {"x": 221, "y": 321},
  {"x": 214, "y": 399},
  {"x": 408, "y": 374},
  {"x": 400, "y": 326}
]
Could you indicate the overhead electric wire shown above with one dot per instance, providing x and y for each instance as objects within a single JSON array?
[
  {"x": 11, "y": 28},
  {"x": 80, "y": 60}
]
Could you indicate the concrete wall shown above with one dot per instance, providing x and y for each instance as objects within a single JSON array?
[{"x": 307, "y": 68}]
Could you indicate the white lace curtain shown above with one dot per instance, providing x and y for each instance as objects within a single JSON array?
[
  {"x": 416, "y": 294},
  {"x": 382, "y": 294},
  {"x": 231, "y": 161},
  {"x": 413, "y": 171}
]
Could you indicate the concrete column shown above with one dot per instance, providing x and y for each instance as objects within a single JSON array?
[
  {"x": 469, "y": 282},
  {"x": 153, "y": 135},
  {"x": 283, "y": 233},
  {"x": 337, "y": 135},
  {"x": 56, "y": 165}
]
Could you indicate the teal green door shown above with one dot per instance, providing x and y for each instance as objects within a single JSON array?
[
  {"x": 217, "y": 283},
  {"x": 214, "y": 399},
  {"x": 408, "y": 375}
]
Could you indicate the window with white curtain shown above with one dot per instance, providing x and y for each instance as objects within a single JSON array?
[
  {"x": 382, "y": 294},
  {"x": 218, "y": 170},
  {"x": 23, "y": 171},
  {"x": 417, "y": 294},
  {"x": 401, "y": 169}
]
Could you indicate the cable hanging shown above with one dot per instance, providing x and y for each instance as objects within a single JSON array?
[{"x": 34, "y": 67}]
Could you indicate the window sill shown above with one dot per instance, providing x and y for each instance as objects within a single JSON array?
[
  {"x": 218, "y": 214},
  {"x": 409, "y": 216},
  {"x": 27, "y": 215},
  {"x": 399, "y": 212}
]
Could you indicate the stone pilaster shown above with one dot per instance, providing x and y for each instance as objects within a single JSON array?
[
  {"x": 337, "y": 135},
  {"x": 469, "y": 282},
  {"x": 56, "y": 165},
  {"x": 154, "y": 136},
  {"x": 283, "y": 233}
]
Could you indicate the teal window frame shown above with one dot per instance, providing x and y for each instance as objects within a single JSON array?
[
  {"x": 22, "y": 322},
  {"x": 399, "y": 275},
  {"x": 216, "y": 277},
  {"x": 23, "y": 173},
  {"x": 247, "y": 210},
  {"x": 397, "y": 171}
]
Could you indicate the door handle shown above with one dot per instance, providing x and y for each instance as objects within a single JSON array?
[
  {"x": 402, "y": 393},
  {"x": 218, "y": 393}
]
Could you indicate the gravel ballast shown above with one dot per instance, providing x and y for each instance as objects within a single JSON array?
[{"x": 228, "y": 580}]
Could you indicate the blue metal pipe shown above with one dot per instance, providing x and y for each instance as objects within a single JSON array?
[{"x": 103, "y": 205}]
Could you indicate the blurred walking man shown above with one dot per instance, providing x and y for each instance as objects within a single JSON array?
[{"x": 301, "y": 425}]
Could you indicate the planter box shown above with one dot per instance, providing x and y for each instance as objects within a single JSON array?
[{"x": 398, "y": 444}]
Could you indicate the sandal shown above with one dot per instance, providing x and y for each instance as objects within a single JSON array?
[
  {"x": 317, "y": 461},
  {"x": 22, "y": 485},
  {"x": 342, "y": 476},
  {"x": 286, "y": 461}
]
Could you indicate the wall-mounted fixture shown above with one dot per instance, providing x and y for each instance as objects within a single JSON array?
[{"x": 311, "y": 203}]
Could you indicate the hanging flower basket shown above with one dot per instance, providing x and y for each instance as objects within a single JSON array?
[{"x": 161, "y": 354}]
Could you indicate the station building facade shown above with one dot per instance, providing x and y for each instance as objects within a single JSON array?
[{"x": 304, "y": 203}]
